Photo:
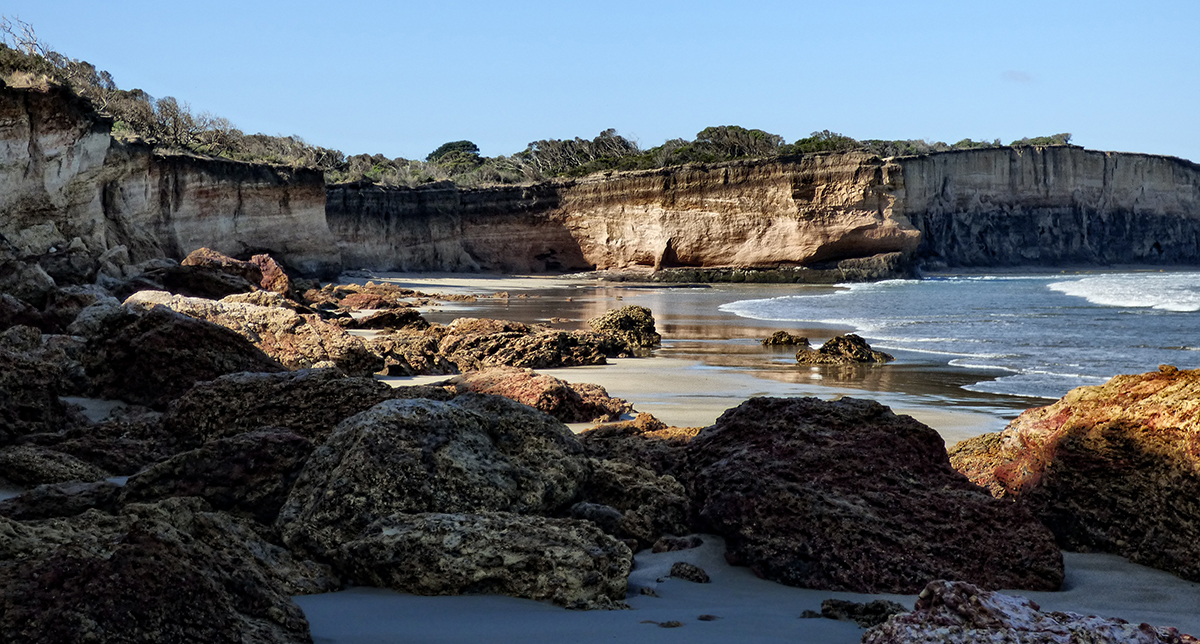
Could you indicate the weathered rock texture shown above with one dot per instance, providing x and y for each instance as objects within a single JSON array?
[
  {"x": 846, "y": 495},
  {"x": 470, "y": 455},
  {"x": 62, "y": 177},
  {"x": 167, "y": 572},
  {"x": 297, "y": 341},
  {"x": 1113, "y": 468},
  {"x": 843, "y": 349},
  {"x": 441, "y": 228},
  {"x": 568, "y": 402},
  {"x": 953, "y": 612},
  {"x": 568, "y": 562}
]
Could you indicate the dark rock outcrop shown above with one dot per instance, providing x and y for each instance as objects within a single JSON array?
[
  {"x": 642, "y": 442},
  {"x": 568, "y": 402},
  {"x": 642, "y": 506},
  {"x": 784, "y": 339},
  {"x": 170, "y": 571},
  {"x": 153, "y": 357},
  {"x": 470, "y": 455},
  {"x": 34, "y": 465},
  {"x": 631, "y": 324},
  {"x": 1111, "y": 468},
  {"x": 248, "y": 474},
  {"x": 310, "y": 402},
  {"x": 62, "y": 500},
  {"x": 956, "y": 612},
  {"x": 209, "y": 258},
  {"x": 689, "y": 572},
  {"x": 846, "y": 495},
  {"x": 866, "y": 615},
  {"x": 843, "y": 349}
]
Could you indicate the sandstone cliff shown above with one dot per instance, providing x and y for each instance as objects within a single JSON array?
[
  {"x": 1028, "y": 206},
  {"x": 442, "y": 228},
  {"x": 63, "y": 176},
  {"x": 784, "y": 212},
  {"x": 1051, "y": 205}
]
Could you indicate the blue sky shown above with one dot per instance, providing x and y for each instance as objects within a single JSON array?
[{"x": 401, "y": 78}]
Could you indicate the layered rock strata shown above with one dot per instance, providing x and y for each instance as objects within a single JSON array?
[{"x": 67, "y": 185}]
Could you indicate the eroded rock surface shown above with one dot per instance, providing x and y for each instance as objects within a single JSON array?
[
  {"x": 632, "y": 324},
  {"x": 571, "y": 563},
  {"x": 955, "y": 612},
  {"x": 843, "y": 349},
  {"x": 568, "y": 402},
  {"x": 846, "y": 495},
  {"x": 469, "y": 455},
  {"x": 297, "y": 341},
  {"x": 1113, "y": 468}
]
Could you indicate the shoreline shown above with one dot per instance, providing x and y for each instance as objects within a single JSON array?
[{"x": 711, "y": 360}]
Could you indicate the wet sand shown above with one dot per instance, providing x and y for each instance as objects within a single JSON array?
[{"x": 711, "y": 360}]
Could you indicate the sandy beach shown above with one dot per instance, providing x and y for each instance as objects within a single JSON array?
[{"x": 710, "y": 361}]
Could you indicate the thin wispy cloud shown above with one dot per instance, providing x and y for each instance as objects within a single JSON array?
[{"x": 1015, "y": 76}]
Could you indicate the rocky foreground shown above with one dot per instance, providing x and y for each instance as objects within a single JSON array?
[{"x": 264, "y": 461}]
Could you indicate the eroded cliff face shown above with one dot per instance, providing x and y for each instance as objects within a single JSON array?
[
  {"x": 794, "y": 211},
  {"x": 789, "y": 211},
  {"x": 442, "y": 228},
  {"x": 1051, "y": 206},
  {"x": 62, "y": 177}
]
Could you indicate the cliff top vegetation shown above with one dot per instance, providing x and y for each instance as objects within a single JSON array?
[{"x": 171, "y": 125}]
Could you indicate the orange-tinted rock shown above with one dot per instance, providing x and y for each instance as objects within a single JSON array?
[
  {"x": 846, "y": 495},
  {"x": 570, "y": 403},
  {"x": 273, "y": 276},
  {"x": 1114, "y": 468}
]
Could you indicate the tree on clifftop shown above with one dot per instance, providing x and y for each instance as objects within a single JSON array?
[{"x": 462, "y": 147}]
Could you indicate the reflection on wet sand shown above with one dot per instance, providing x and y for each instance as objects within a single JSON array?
[{"x": 694, "y": 329}]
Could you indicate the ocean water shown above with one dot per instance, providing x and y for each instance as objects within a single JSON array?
[{"x": 1042, "y": 335}]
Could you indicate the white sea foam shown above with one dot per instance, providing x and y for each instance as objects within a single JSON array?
[{"x": 1179, "y": 292}]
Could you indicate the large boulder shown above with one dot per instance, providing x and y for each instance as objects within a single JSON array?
[
  {"x": 35, "y": 465},
  {"x": 274, "y": 278},
  {"x": 153, "y": 357},
  {"x": 843, "y": 349},
  {"x": 955, "y": 612},
  {"x": 570, "y": 403},
  {"x": 209, "y": 258},
  {"x": 647, "y": 506},
  {"x": 31, "y": 382},
  {"x": 297, "y": 341},
  {"x": 634, "y": 325},
  {"x": 846, "y": 495},
  {"x": 168, "y": 572},
  {"x": 472, "y": 343},
  {"x": 29, "y": 283},
  {"x": 1113, "y": 468},
  {"x": 249, "y": 474},
  {"x": 470, "y": 455},
  {"x": 186, "y": 281},
  {"x": 570, "y": 563},
  {"x": 53, "y": 500},
  {"x": 310, "y": 402}
]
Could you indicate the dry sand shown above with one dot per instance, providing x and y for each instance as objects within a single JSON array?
[{"x": 750, "y": 610}]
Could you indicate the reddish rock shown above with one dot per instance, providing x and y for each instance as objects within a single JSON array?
[
  {"x": 1113, "y": 468},
  {"x": 366, "y": 301},
  {"x": 570, "y": 403},
  {"x": 846, "y": 495},
  {"x": 843, "y": 349},
  {"x": 154, "y": 357},
  {"x": 274, "y": 278},
  {"x": 209, "y": 258},
  {"x": 955, "y": 612}
]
